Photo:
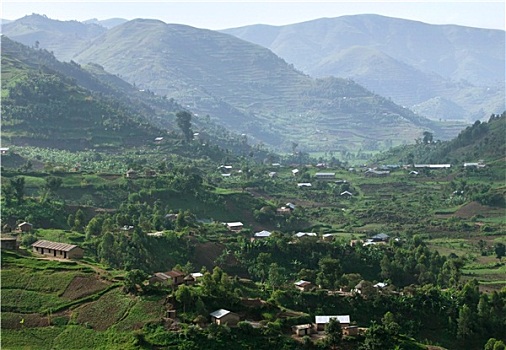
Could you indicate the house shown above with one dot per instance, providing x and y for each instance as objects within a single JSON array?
[
  {"x": 380, "y": 237},
  {"x": 262, "y": 234},
  {"x": 413, "y": 172},
  {"x": 235, "y": 226},
  {"x": 303, "y": 286},
  {"x": 158, "y": 139},
  {"x": 474, "y": 165},
  {"x": 225, "y": 168},
  {"x": 350, "y": 330},
  {"x": 321, "y": 321},
  {"x": 360, "y": 287},
  {"x": 302, "y": 329},
  {"x": 433, "y": 166},
  {"x": 321, "y": 165},
  {"x": 283, "y": 211},
  {"x": 155, "y": 234},
  {"x": 325, "y": 176},
  {"x": 305, "y": 234},
  {"x": 328, "y": 236},
  {"x": 304, "y": 184},
  {"x": 9, "y": 242},
  {"x": 273, "y": 174},
  {"x": 225, "y": 317},
  {"x": 340, "y": 182},
  {"x": 295, "y": 172},
  {"x": 189, "y": 280},
  {"x": 172, "y": 278},
  {"x": 131, "y": 174},
  {"x": 57, "y": 249},
  {"x": 377, "y": 173},
  {"x": 4, "y": 150},
  {"x": 380, "y": 285},
  {"x": 276, "y": 165},
  {"x": 226, "y": 175},
  {"x": 25, "y": 227},
  {"x": 291, "y": 206},
  {"x": 171, "y": 217},
  {"x": 346, "y": 194},
  {"x": 197, "y": 275}
]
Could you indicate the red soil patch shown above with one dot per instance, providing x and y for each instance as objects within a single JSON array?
[{"x": 82, "y": 286}]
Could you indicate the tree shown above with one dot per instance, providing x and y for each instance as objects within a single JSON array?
[
  {"x": 19, "y": 188},
  {"x": 276, "y": 276},
  {"x": 94, "y": 227},
  {"x": 377, "y": 338},
  {"x": 133, "y": 279},
  {"x": 390, "y": 325},
  {"x": 465, "y": 323},
  {"x": 79, "y": 220},
  {"x": 334, "y": 333},
  {"x": 8, "y": 193},
  {"x": 330, "y": 272},
  {"x": 500, "y": 250},
  {"x": 427, "y": 137},
  {"x": 53, "y": 183},
  {"x": 183, "y": 119},
  {"x": 184, "y": 295}
]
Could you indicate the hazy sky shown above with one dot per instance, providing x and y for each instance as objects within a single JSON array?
[{"x": 221, "y": 15}]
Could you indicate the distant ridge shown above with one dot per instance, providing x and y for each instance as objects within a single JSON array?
[{"x": 409, "y": 61}]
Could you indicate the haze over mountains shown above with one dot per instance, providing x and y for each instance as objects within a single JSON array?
[
  {"x": 440, "y": 71},
  {"x": 245, "y": 86}
]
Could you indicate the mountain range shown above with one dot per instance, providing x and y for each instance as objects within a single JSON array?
[
  {"x": 240, "y": 85},
  {"x": 439, "y": 71}
]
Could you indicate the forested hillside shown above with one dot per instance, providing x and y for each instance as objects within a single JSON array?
[{"x": 482, "y": 141}]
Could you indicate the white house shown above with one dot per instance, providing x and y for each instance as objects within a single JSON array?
[{"x": 321, "y": 321}]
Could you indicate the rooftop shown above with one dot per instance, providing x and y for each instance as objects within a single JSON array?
[{"x": 65, "y": 247}]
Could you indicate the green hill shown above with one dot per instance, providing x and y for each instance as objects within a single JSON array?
[
  {"x": 153, "y": 115},
  {"x": 41, "y": 107},
  {"x": 481, "y": 141}
]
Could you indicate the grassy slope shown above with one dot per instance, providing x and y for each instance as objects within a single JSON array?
[{"x": 37, "y": 294}]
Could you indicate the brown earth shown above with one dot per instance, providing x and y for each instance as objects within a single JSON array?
[
  {"x": 13, "y": 320},
  {"x": 82, "y": 286},
  {"x": 474, "y": 208},
  {"x": 206, "y": 254}
]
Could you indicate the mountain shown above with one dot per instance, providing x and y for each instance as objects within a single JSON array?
[
  {"x": 154, "y": 115},
  {"x": 249, "y": 89},
  {"x": 408, "y": 61},
  {"x": 64, "y": 38},
  {"x": 107, "y": 23}
]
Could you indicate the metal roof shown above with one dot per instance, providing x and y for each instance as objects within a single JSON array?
[
  {"x": 326, "y": 319},
  {"x": 64, "y": 247},
  {"x": 219, "y": 313},
  {"x": 263, "y": 234}
]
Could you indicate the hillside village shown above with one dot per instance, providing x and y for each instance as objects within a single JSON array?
[{"x": 130, "y": 222}]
